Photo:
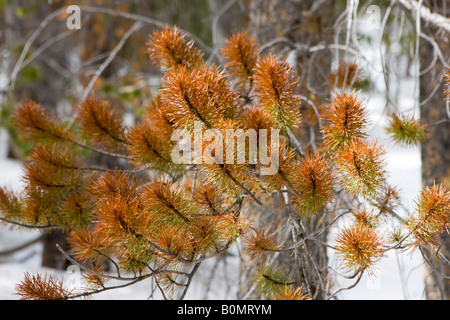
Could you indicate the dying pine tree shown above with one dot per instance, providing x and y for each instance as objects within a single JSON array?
[{"x": 180, "y": 205}]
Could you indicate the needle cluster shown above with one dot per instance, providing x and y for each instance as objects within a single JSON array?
[{"x": 405, "y": 130}]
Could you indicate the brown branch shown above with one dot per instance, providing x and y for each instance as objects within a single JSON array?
[
  {"x": 30, "y": 226},
  {"x": 361, "y": 272}
]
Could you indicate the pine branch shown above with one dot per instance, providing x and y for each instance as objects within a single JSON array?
[{"x": 30, "y": 226}]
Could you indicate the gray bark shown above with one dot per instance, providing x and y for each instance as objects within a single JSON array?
[{"x": 435, "y": 151}]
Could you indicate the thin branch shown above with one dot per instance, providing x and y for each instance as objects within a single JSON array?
[
  {"x": 28, "y": 44},
  {"x": 125, "y": 15},
  {"x": 216, "y": 18},
  {"x": 86, "y": 269},
  {"x": 103, "y": 289},
  {"x": 190, "y": 277},
  {"x": 30, "y": 226},
  {"x": 144, "y": 19},
  {"x": 82, "y": 145},
  {"x": 349, "y": 287},
  {"x": 318, "y": 233},
  {"x": 104, "y": 275},
  {"x": 425, "y": 14},
  {"x": 136, "y": 26},
  {"x": 47, "y": 44}
]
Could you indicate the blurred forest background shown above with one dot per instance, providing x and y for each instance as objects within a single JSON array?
[{"x": 401, "y": 49}]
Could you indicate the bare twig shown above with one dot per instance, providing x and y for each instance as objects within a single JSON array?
[
  {"x": 425, "y": 14},
  {"x": 190, "y": 277},
  {"x": 29, "y": 43},
  {"x": 30, "y": 226},
  {"x": 136, "y": 26},
  {"x": 349, "y": 287}
]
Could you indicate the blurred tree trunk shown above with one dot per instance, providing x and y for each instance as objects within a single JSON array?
[
  {"x": 291, "y": 28},
  {"x": 436, "y": 149}
]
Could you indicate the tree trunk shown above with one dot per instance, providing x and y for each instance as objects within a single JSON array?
[
  {"x": 291, "y": 27},
  {"x": 51, "y": 257},
  {"x": 436, "y": 149}
]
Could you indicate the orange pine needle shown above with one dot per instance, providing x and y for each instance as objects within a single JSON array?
[
  {"x": 359, "y": 246},
  {"x": 101, "y": 124},
  {"x": 259, "y": 244},
  {"x": 275, "y": 87},
  {"x": 149, "y": 145},
  {"x": 362, "y": 167},
  {"x": 345, "y": 120},
  {"x": 241, "y": 55},
  {"x": 347, "y": 75},
  {"x": 432, "y": 216},
  {"x": 313, "y": 182},
  {"x": 36, "y": 287},
  {"x": 290, "y": 293},
  {"x": 87, "y": 245},
  {"x": 36, "y": 125},
  {"x": 169, "y": 48}
]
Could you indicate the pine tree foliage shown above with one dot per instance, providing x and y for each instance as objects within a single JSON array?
[
  {"x": 161, "y": 219},
  {"x": 345, "y": 121},
  {"x": 169, "y": 48},
  {"x": 290, "y": 293},
  {"x": 37, "y": 287},
  {"x": 362, "y": 165},
  {"x": 275, "y": 88},
  {"x": 270, "y": 281},
  {"x": 260, "y": 244},
  {"x": 241, "y": 55},
  {"x": 359, "y": 245},
  {"x": 405, "y": 130},
  {"x": 348, "y": 75},
  {"x": 430, "y": 218}
]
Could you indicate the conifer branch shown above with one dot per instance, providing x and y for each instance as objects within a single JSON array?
[
  {"x": 248, "y": 192},
  {"x": 30, "y": 226},
  {"x": 104, "y": 275},
  {"x": 98, "y": 150}
]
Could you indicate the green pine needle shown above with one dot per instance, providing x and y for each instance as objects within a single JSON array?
[{"x": 405, "y": 130}]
